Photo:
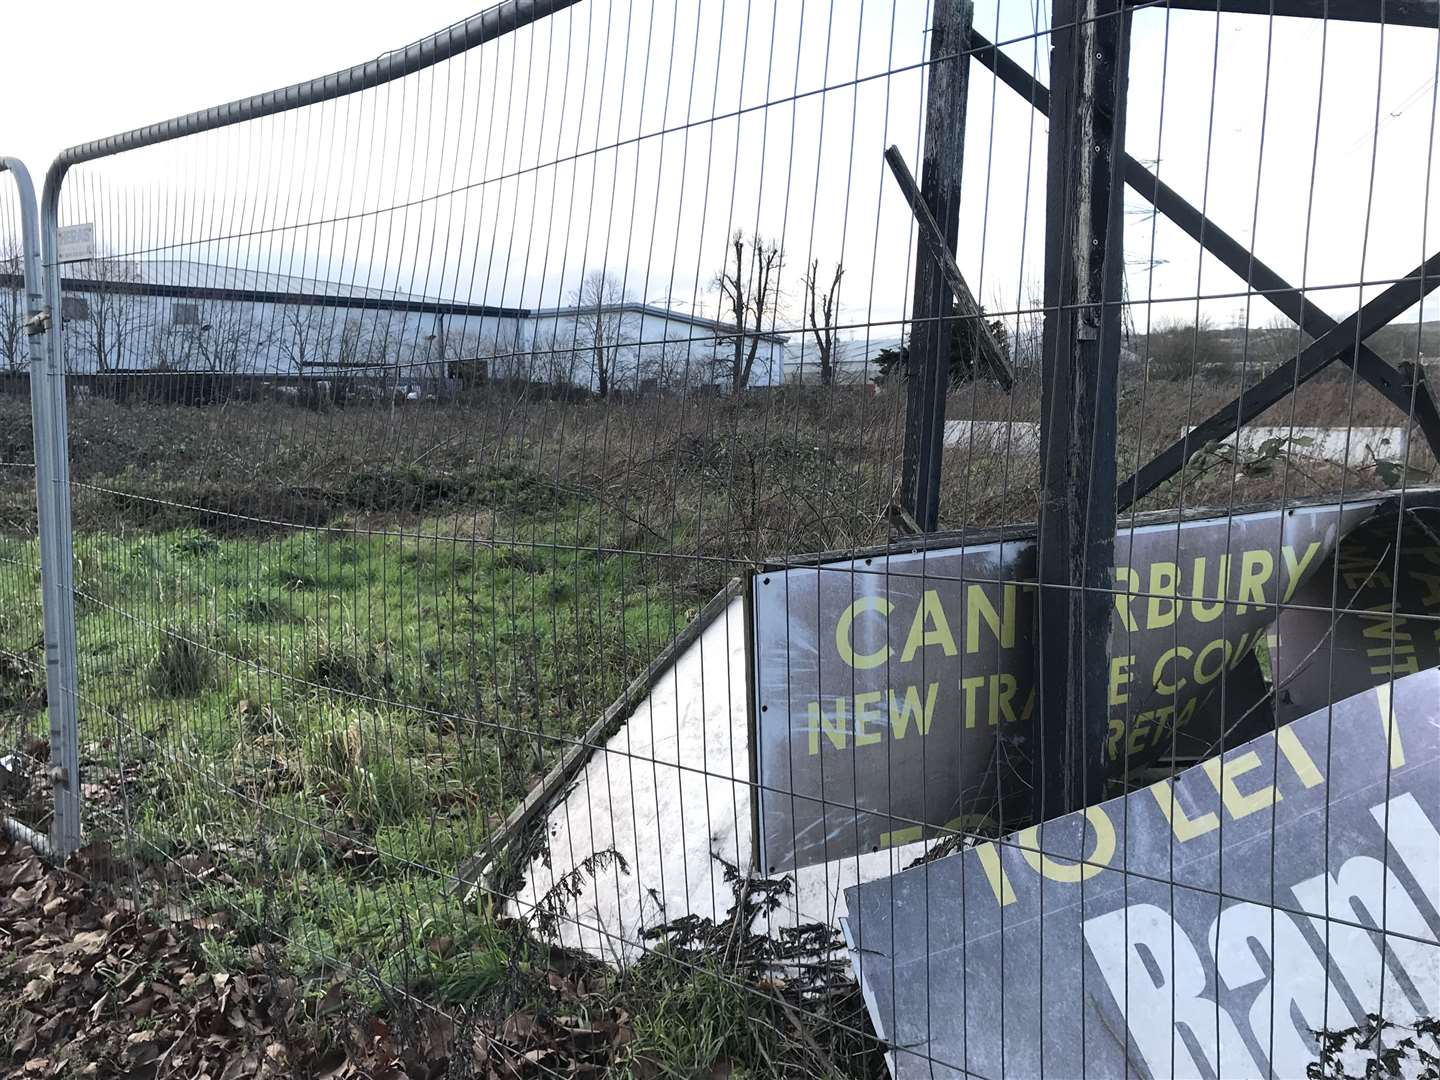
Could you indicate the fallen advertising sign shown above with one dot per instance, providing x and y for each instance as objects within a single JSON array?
[
  {"x": 1207, "y": 926},
  {"x": 894, "y": 694},
  {"x": 1365, "y": 616}
]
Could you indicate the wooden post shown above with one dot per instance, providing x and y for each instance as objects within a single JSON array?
[
  {"x": 1084, "y": 265},
  {"x": 1403, "y": 386},
  {"x": 927, "y": 367},
  {"x": 989, "y": 358}
]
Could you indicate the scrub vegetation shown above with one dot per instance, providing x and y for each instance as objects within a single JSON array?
[{"x": 324, "y": 652}]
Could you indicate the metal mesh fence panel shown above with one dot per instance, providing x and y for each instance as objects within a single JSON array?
[
  {"x": 24, "y": 747},
  {"x": 584, "y": 560}
]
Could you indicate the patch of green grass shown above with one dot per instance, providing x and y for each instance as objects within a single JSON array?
[
  {"x": 349, "y": 662},
  {"x": 688, "y": 1020},
  {"x": 196, "y": 543},
  {"x": 329, "y": 722},
  {"x": 263, "y": 607},
  {"x": 183, "y": 664}
]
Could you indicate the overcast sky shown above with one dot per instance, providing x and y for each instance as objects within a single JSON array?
[{"x": 587, "y": 142}]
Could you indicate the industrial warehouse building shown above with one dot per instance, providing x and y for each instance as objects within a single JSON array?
[{"x": 133, "y": 316}]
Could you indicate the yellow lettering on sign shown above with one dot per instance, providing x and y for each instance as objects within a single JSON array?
[
  {"x": 834, "y": 730},
  {"x": 1397, "y": 660},
  {"x": 978, "y": 606},
  {"x": 1158, "y": 678},
  {"x": 1185, "y": 828},
  {"x": 1384, "y": 696},
  {"x": 1070, "y": 873},
  {"x": 1130, "y": 585},
  {"x": 930, "y": 611},
  {"x": 967, "y": 823},
  {"x": 1299, "y": 758},
  {"x": 1396, "y": 656},
  {"x": 902, "y": 712},
  {"x": 1295, "y": 568},
  {"x": 865, "y": 711},
  {"x": 1256, "y": 567},
  {"x": 1360, "y": 568},
  {"x": 1219, "y": 645},
  {"x": 969, "y": 685},
  {"x": 1223, "y": 773},
  {"x": 1139, "y": 726},
  {"x": 1385, "y": 625},
  {"x": 1117, "y": 732},
  {"x": 901, "y": 836},
  {"x": 1120, "y": 678},
  {"x": 1163, "y": 576},
  {"x": 995, "y": 873},
  {"x": 1431, "y": 595},
  {"x": 843, "y": 641},
  {"x": 1185, "y": 713},
  {"x": 1004, "y": 692},
  {"x": 1209, "y": 612}
]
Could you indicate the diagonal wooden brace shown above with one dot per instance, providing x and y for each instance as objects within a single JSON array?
[
  {"x": 1404, "y": 387},
  {"x": 1338, "y": 342},
  {"x": 1422, "y": 13},
  {"x": 992, "y": 356}
]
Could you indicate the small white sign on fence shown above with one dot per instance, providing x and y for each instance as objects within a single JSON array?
[{"x": 76, "y": 243}]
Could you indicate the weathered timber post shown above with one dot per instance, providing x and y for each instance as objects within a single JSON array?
[
  {"x": 1084, "y": 263},
  {"x": 927, "y": 367}
]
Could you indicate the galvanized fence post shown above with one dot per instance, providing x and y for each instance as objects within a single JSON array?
[
  {"x": 52, "y": 489},
  {"x": 53, "y": 482},
  {"x": 34, "y": 323}
]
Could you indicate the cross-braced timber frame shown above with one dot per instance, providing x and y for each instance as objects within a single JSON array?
[{"x": 1087, "y": 170}]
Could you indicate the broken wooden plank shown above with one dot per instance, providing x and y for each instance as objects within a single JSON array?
[{"x": 996, "y": 363}]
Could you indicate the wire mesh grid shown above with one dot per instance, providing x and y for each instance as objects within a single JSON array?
[
  {"x": 496, "y": 561},
  {"x": 22, "y": 655}
]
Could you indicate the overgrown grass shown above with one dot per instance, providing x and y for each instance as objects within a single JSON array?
[
  {"x": 331, "y": 721},
  {"x": 334, "y": 650}
]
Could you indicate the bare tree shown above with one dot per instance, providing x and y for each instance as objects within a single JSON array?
[
  {"x": 13, "y": 353},
  {"x": 1022, "y": 332},
  {"x": 601, "y": 325},
  {"x": 108, "y": 318},
  {"x": 352, "y": 348},
  {"x": 227, "y": 338},
  {"x": 512, "y": 363},
  {"x": 1273, "y": 344},
  {"x": 1180, "y": 350},
  {"x": 750, "y": 287},
  {"x": 173, "y": 348},
  {"x": 674, "y": 365},
  {"x": 380, "y": 349},
  {"x": 821, "y": 313},
  {"x": 552, "y": 362},
  {"x": 304, "y": 336},
  {"x": 465, "y": 355}
]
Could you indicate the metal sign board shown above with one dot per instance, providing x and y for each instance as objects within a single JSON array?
[
  {"x": 894, "y": 695},
  {"x": 76, "y": 243},
  {"x": 1205, "y": 927},
  {"x": 1368, "y": 615}
]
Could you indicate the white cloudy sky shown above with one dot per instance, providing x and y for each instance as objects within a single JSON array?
[{"x": 590, "y": 140}]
